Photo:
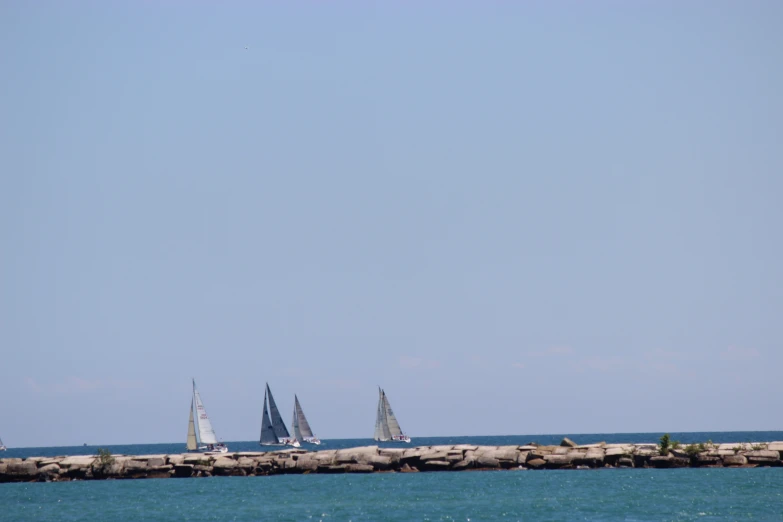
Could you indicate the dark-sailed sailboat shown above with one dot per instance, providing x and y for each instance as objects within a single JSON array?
[{"x": 273, "y": 430}]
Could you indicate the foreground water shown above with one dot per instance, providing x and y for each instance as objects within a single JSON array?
[{"x": 603, "y": 494}]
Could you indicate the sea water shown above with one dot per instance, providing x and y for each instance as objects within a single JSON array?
[{"x": 601, "y": 494}]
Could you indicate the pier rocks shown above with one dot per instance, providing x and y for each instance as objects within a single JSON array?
[{"x": 369, "y": 459}]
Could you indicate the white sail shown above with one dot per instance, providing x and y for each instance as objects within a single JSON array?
[
  {"x": 304, "y": 426},
  {"x": 206, "y": 435},
  {"x": 192, "y": 445},
  {"x": 391, "y": 420},
  {"x": 295, "y": 426}
]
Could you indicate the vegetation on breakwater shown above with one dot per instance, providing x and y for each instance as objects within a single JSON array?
[{"x": 369, "y": 459}]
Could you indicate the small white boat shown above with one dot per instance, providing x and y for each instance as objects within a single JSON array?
[
  {"x": 386, "y": 426},
  {"x": 300, "y": 427},
  {"x": 2, "y": 446},
  {"x": 201, "y": 435}
]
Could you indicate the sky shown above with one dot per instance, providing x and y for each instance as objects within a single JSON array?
[{"x": 515, "y": 217}]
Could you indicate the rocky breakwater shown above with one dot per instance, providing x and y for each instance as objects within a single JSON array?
[{"x": 371, "y": 459}]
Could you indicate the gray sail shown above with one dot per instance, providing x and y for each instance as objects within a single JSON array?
[
  {"x": 304, "y": 426},
  {"x": 379, "y": 418},
  {"x": 191, "y": 444},
  {"x": 295, "y": 425},
  {"x": 267, "y": 431},
  {"x": 391, "y": 420},
  {"x": 277, "y": 421}
]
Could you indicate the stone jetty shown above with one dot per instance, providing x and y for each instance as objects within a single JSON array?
[{"x": 371, "y": 459}]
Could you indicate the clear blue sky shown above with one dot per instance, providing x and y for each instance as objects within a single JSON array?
[{"x": 516, "y": 217}]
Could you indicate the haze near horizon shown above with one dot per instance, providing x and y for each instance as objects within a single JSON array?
[{"x": 539, "y": 217}]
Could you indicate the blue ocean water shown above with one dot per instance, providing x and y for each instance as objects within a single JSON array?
[{"x": 602, "y": 494}]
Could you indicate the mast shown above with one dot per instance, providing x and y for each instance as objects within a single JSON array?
[
  {"x": 267, "y": 432},
  {"x": 304, "y": 426},
  {"x": 192, "y": 444},
  {"x": 206, "y": 435},
  {"x": 391, "y": 420},
  {"x": 277, "y": 420}
]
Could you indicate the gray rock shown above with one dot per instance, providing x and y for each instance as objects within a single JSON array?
[
  {"x": 625, "y": 462},
  {"x": 175, "y": 460},
  {"x": 20, "y": 469},
  {"x": 536, "y": 463},
  {"x": 568, "y": 443},
  {"x": 735, "y": 460},
  {"x": 557, "y": 461},
  {"x": 156, "y": 462},
  {"x": 482, "y": 461},
  {"x": 436, "y": 465},
  {"x": 763, "y": 457}
]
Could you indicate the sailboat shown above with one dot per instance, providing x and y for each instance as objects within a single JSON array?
[
  {"x": 386, "y": 425},
  {"x": 300, "y": 427},
  {"x": 201, "y": 435},
  {"x": 273, "y": 430},
  {"x": 2, "y": 446}
]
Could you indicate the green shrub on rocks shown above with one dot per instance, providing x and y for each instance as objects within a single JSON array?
[
  {"x": 104, "y": 460},
  {"x": 664, "y": 444},
  {"x": 694, "y": 449}
]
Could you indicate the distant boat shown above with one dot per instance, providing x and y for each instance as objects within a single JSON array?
[
  {"x": 273, "y": 430},
  {"x": 386, "y": 425},
  {"x": 2, "y": 446},
  {"x": 201, "y": 435},
  {"x": 300, "y": 427}
]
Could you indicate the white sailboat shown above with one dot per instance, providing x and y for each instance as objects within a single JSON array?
[
  {"x": 386, "y": 425},
  {"x": 201, "y": 435},
  {"x": 300, "y": 427},
  {"x": 2, "y": 446},
  {"x": 273, "y": 430}
]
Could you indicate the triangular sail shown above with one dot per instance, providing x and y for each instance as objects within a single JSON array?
[
  {"x": 192, "y": 445},
  {"x": 380, "y": 418},
  {"x": 391, "y": 421},
  {"x": 206, "y": 434},
  {"x": 267, "y": 431},
  {"x": 295, "y": 425},
  {"x": 277, "y": 421},
  {"x": 304, "y": 426}
]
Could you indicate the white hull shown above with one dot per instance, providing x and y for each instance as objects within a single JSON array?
[
  {"x": 2, "y": 448},
  {"x": 290, "y": 442},
  {"x": 312, "y": 440},
  {"x": 218, "y": 448}
]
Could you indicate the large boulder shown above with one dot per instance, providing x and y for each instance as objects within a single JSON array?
[
  {"x": 763, "y": 457},
  {"x": 568, "y": 443},
  {"x": 735, "y": 460},
  {"x": 557, "y": 461},
  {"x": 360, "y": 455},
  {"x": 226, "y": 466}
]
